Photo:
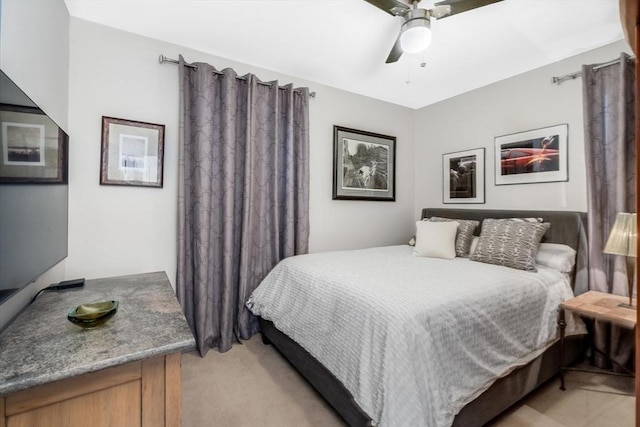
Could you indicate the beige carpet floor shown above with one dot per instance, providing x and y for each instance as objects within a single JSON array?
[{"x": 253, "y": 385}]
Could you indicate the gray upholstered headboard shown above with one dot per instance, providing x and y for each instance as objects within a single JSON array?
[{"x": 566, "y": 227}]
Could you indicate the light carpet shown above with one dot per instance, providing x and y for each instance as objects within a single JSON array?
[{"x": 253, "y": 385}]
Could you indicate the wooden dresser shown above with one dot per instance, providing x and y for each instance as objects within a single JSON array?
[{"x": 124, "y": 373}]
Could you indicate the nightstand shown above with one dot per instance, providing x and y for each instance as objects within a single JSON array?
[{"x": 598, "y": 306}]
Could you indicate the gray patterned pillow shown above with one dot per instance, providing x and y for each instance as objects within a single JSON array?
[
  {"x": 527, "y": 219},
  {"x": 466, "y": 227},
  {"x": 509, "y": 243}
]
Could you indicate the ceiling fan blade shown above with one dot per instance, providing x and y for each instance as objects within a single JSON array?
[
  {"x": 459, "y": 6},
  {"x": 396, "y": 52},
  {"x": 392, "y": 7}
]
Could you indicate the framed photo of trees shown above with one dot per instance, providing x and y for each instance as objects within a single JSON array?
[{"x": 363, "y": 165}]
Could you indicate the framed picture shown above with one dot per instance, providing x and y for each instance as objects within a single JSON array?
[
  {"x": 132, "y": 153},
  {"x": 463, "y": 176},
  {"x": 364, "y": 165},
  {"x": 34, "y": 148},
  {"x": 538, "y": 155}
]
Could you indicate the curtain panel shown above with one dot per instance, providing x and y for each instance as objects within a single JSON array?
[
  {"x": 609, "y": 117},
  {"x": 243, "y": 195}
]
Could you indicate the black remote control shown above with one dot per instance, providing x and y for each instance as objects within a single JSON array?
[{"x": 68, "y": 284}]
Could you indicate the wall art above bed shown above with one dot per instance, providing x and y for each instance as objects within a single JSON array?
[
  {"x": 534, "y": 156},
  {"x": 364, "y": 165},
  {"x": 463, "y": 176}
]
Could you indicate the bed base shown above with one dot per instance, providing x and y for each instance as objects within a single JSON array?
[
  {"x": 316, "y": 374},
  {"x": 566, "y": 228},
  {"x": 495, "y": 400}
]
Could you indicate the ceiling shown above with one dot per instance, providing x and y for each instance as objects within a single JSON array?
[{"x": 344, "y": 43}]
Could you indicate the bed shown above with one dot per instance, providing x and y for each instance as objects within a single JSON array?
[{"x": 387, "y": 344}]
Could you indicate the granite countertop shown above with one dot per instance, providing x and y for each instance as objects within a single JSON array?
[{"x": 42, "y": 346}]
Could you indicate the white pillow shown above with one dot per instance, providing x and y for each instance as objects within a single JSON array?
[
  {"x": 557, "y": 256},
  {"x": 436, "y": 239}
]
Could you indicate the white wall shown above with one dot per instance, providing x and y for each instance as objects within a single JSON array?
[
  {"x": 118, "y": 230},
  {"x": 524, "y": 102},
  {"x": 34, "y": 53},
  {"x": 344, "y": 224}
]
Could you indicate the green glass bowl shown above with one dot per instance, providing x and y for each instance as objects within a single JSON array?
[{"x": 92, "y": 314}]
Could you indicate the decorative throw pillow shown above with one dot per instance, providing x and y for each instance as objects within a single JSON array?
[
  {"x": 412, "y": 240},
  {"x": 527, "y": 219},
  {"x": 466, "y": 228},
  {"x": 557, "y": 256},
  {"x": 435, "y": 239},
  {"x": 474, "y": 243},
  {"x": 509, "y": 243}
]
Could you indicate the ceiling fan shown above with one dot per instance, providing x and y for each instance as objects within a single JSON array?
[{"x": 415, "y": 32}]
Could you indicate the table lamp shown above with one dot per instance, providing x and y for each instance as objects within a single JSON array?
[{"x": 622, "y": 241}]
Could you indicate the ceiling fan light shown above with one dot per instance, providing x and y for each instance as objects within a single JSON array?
[{"x": 416, "y": 38}]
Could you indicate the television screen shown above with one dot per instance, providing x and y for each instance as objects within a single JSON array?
[{"x": 33, "y": 191}]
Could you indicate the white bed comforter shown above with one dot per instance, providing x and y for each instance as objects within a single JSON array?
[{"x": 413, "y": 339}]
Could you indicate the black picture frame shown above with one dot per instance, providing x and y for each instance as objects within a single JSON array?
[
  {"x": 364, "y": 165},
  {"x": 463, "y": 177},
  {"x": 132, "y": 153},
  {"x": 34, "y": 149}
]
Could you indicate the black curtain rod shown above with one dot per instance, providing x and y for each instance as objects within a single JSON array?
[
  {"x": 163, "y": 59},
  {"x": 562, "y": 79}
]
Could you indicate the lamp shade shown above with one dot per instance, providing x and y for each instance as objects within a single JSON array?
[
  {"x": 416, "y": 39},
  {"x": 622, "y": 238},
  {"x": 415, "y": 34}
]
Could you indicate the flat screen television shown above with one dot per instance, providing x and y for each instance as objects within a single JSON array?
[{"x": 33, "y": 191}]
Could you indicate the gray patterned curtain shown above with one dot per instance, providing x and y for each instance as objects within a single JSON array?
[
  {"x": 243, "y": 195},
  {"x": 608, "y": 94}
]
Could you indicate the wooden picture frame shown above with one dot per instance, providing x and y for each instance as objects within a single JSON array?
[
  {"x": 363, "y": 165},
  {"x": 463, "y": 177},
  {"x": 534, "y": 156},
  {"x": 132, "y": 153},
  {"x": 34, "y": 150}
]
